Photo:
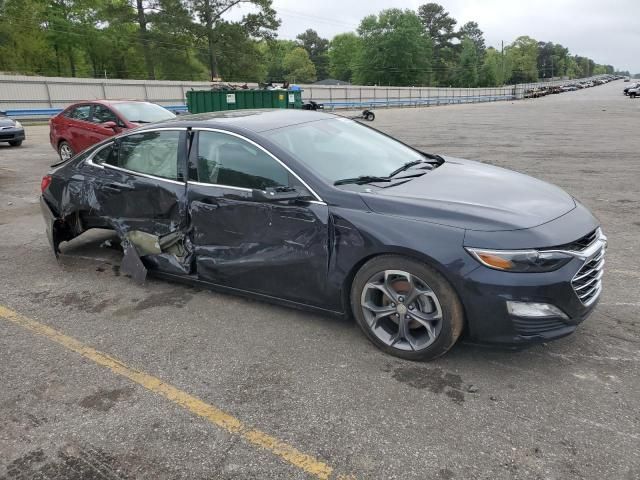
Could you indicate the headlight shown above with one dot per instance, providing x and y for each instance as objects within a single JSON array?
[
  {"x": 18, "y": 124},
  {"x": 520, "y": 260}
]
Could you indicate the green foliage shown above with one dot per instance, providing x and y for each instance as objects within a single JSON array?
[
  {"x": 298, "y": 66},
  {"x": 318, "y": 50},
  {"x": 195, "y": 40},
  {"x": 523, "y": 56},
  {"x": 467, "y": 70},
  {"x": 472, "y": 31},
  {"x": 439, "y": 27},
  {"x": 344, "y": 53},
  {"x": 394, "y": 50},
  {"x": 273, "y": 53}
]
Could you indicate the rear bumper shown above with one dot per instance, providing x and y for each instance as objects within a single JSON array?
[
  {"x": 51, "y": 223},
  {"x": 12, "y": 135}
]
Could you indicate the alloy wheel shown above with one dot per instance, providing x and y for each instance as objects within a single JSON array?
[
  {"x": 401, "y": 310},
  {"x": 65, "y": 152}
]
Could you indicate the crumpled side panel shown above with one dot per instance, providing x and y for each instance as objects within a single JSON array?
[{"x": 272, "y": 248}]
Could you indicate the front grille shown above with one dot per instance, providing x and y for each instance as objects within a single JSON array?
[
  {"x": 587, "y": 283},
  {"x": 5, "y": 136},
  {"x": 533, "y": 326},
  {"x": 581, "y": 243}
]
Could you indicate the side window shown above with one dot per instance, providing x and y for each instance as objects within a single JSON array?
[
  {"x": 106, "y": 155},
  {"x": 83, "y": 112},
  {"x": 102, "y": 114},
  {"x": 227, "y": 160},
  {"x": 153, "y": 153}
]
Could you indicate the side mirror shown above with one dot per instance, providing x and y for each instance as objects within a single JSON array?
[
  {"x": 111, "y": 125},
  {"x": 280, "y": 194}
]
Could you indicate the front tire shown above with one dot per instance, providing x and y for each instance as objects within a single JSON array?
[
  {"x": 65, "y": 151},
  {"x": 406, "y": 308},
  {"x": 15, "y": 143}
]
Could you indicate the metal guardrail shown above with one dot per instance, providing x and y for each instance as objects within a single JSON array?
[{"x": 416, "y": 102}]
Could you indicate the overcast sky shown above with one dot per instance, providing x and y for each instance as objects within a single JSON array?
[{"x": 608, "y": 31}]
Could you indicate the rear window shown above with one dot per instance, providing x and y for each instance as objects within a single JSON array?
[
  {"x": 143, "y": 112},
  {"x": 82, "y": 112}
]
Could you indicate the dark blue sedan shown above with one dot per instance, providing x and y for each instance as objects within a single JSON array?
[{"x": 317, "y": 211}]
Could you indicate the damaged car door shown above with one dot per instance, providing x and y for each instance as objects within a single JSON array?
[
  {"x": 141, "y": 193},
  {"x": 255, "y": 226}
]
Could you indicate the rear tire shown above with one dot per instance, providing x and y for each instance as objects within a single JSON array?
[
  {"x": 65, "y": 151},
  {"x": 406, "y": 308},
  {"x": 15, "y": 143}
]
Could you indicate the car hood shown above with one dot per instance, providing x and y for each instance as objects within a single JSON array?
[
  {"x": 6, "y": 122},
  {"x": 474, "y": 196}
]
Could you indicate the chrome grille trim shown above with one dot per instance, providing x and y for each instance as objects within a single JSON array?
[{"x": 587, "y": 282}]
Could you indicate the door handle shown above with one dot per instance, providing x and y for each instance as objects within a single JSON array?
[{"x": 117, "y": 187}]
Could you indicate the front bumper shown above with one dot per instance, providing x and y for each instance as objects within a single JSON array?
[
  {"x": 574, "y": 289},
  {"x": 487, "y": 292},
  {"x": 12, "y": 135}
]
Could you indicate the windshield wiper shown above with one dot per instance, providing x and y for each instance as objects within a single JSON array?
[
  {"x": 406, "y": 166},
  {"x": 361, "y": 180}
]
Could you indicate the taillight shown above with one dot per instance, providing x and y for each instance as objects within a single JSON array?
[{"x": 46, "y": 181}]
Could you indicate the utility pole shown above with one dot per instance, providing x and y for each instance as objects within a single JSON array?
[{"x": 502, "y": 55}]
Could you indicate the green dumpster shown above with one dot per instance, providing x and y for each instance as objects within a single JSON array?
[{"x": 200, "y": 101}]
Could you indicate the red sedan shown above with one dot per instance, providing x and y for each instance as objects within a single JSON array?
[{"x": 86, "y": 123}]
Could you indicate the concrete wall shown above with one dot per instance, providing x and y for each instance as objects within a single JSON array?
[{"x": 29, "y": 96}]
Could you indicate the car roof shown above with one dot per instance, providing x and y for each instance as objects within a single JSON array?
[
  {"x": 106, "y": 102},
  {"x": 254, "y": 120}
]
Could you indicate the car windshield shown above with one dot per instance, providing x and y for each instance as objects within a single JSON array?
[
  {"x": 339, "y": 148},
  {"x": 142, "y": 112}
]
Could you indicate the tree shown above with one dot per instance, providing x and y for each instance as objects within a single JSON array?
[
  {"x": 523, "y": 56},
  {"x": 299, "y": 67},
  {"x": 472, "y": 31},
  {"x": 210, "y": 12},
  {"x": 495, "y": 69},
  {"x": 317, "y": 48},
  {"x": 552, "y": 60},
  {"x": 437, "y": 23},
  {"x": 467, "y": 71},
  {"x": 273, "y": 53},
  {"x": 144, "y": 38},
  {"x": 344, "y": 51},
  {"x": 240, "y": 57},
  {"x": 439, "y": 26},
  {"x": 394, "y": 50},
  {"x": 176, "y": 52}
]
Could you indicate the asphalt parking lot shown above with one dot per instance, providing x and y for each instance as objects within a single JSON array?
[{"x": 200, "y": 385}]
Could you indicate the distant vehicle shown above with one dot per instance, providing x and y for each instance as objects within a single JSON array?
[
  {"x": 569, "y": 88},
  {"x": 626, "y": 79},
  {"x": 634, "y": 92},
  {"x": 630, "y": 87},
  {"x": 86, "y": 123},
  {"x": 11, "y": 130}
]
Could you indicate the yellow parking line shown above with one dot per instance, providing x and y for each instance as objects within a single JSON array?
[{"x": 295, "y": 457}]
